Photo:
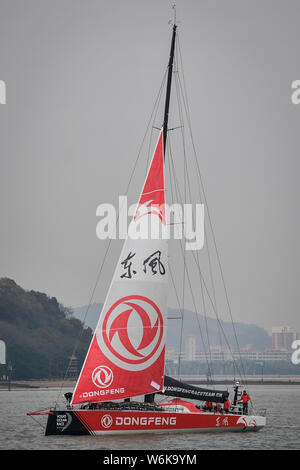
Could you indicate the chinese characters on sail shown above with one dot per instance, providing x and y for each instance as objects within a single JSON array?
[{"x": 152, "y": 264}]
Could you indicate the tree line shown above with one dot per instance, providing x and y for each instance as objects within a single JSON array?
[{"x": 39, "y": 332}]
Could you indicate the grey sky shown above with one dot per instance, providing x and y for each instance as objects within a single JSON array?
[{"x": 81, "y": 81}]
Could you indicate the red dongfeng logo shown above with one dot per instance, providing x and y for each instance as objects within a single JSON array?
[{"x": 132, "y": 332}]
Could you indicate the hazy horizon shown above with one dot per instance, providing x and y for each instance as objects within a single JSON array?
[{"x": 81, "y": 79}]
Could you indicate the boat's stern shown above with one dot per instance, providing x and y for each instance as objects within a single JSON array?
[
  {"x": 252, "y": 422},
  {"x": 65, "y": 422}
]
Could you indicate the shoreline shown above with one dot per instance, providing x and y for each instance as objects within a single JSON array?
[
  {"x": 36, "y": 384},
  {"x": 55, "y": 383}
]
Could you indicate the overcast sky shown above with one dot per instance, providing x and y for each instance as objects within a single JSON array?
[{"x": 81, "y": 79}]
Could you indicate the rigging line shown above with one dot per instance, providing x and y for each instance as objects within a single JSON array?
[
  {"x": 34, "y": 419},
  {"x": 186, "y": 173},
  {"x": 207, "y": 291},
  {"x": 156, "y": 107},
  {"x": 213, "y": 285},
  {"x": 195, "y": 154},
  {"x": 206, "y": 238},
  {"x": 189, "y": 282},
  {"x": 222, "y": 278},
  {"x": 181, "y": 308},
  {"x": 181, "y": 311},
  {"x": 205, "y": 233},
  {"x": 209, "y": 265},
  {"x": 208, "y": 213},
  {"x": 183, "y": 280},
  {"x": 186, "y": 176},
  {"x": 218, "y": 319},
  {"x": 184, "y": 169},
  {"x": 110, "y": 240}
]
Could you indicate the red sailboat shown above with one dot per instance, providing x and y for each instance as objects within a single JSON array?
[{"x": 126, "y": 358}]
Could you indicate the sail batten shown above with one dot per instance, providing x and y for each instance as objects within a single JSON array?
[{"x": 127, "y": 354}]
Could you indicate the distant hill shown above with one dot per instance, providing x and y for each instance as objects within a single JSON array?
[
  {"x": 246, "y": 333},
  {"x": 40, "y": 333}
]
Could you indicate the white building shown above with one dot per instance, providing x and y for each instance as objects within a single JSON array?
[
  {"x": 2, "y": 352},
  {"x": 283, "y": 337},
  {"x": 267, "y": 355},
  {"x": 190, "y": 347}
]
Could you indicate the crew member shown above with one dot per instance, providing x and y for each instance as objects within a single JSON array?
[
  {"x": 208, "y": 405},
  {"x": 68, "y": 397},
  {"x": 245, "y": 399},
  {"x": 217, "y": 408},
  {"x": 226, "y": 406}
]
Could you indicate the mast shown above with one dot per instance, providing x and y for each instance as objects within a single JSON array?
[
  {"x": 168, "y": 92},
  {"x": 150, "y": 397}
]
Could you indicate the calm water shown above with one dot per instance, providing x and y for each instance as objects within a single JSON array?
[{"x": 18, "y": 431}]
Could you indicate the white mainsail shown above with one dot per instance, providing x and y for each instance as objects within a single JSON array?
[{"x": 127, "y": 353}]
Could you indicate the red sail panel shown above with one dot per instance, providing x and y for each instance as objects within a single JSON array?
[
  {"x": 127, "y": 354},
  {"x": 153, "y": 194}
]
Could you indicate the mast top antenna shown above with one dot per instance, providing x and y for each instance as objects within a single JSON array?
[
  {"x": 174, "y": 12},
  {"x": 174, "y": 22}
]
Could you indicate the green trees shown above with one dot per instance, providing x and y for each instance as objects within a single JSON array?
[{"x": 40, "y": 334}]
